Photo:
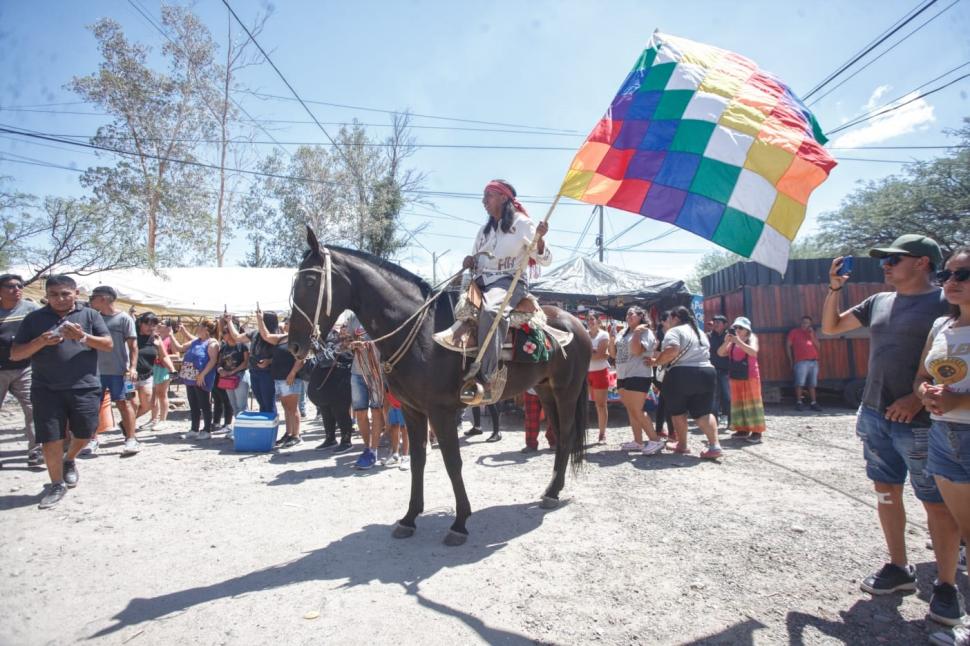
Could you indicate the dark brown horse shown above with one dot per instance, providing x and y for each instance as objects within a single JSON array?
[{"x": 428, "y": 377}]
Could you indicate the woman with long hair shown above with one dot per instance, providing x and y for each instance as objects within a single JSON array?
[
  {"x": 499, "y": 249},
  {"x": 283, "y": 369},
  {"x": 151, "y": 351},
  {"x": 634, "y": 376},
  {"x": 162, "y": 373},
  {"x": 747, "y": 407},
  {"x": 689, "y": 381},
  {"x": 943, "y": 385}
]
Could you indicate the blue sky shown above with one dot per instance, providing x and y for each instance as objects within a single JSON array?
[{"x": 547, "y": 64}]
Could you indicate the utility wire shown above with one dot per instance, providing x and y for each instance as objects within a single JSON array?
[
  {"x": 852, "y": 61},
  {"x": 893, "y": 108},
  {"x": 882, "y": 53}
]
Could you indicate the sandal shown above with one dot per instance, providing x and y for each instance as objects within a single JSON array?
[
  {"x": 682, "y": 450},
  {"x": 736, "y": 435}
]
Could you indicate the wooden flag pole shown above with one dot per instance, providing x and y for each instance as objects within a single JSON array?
[{"x": 477, "y": 364}]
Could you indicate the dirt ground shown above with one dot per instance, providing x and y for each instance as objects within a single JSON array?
[{"x": 194, "y": 543}]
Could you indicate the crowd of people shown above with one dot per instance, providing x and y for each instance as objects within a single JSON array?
[{"x": 66, "y": 364}]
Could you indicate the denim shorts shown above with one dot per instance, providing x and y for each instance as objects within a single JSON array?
[
  {"x": 283, "y": 389},
  {"x": 395, "y": 417},
  {"x": 360, "y": 397},
  {"x": 115, "y": 384},
  {"x": 892, "y": 449},
  {"x": 806, "y": 373},
  {"x": 950, "y": 451}
]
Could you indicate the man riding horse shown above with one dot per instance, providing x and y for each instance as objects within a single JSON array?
[{"x": 500, "y": 247}]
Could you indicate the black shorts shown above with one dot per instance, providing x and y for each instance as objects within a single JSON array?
[
  {"x": 689, "y": 390},
  {"x": 55, "y": 409},
  {"x": 638, "y": 384}
]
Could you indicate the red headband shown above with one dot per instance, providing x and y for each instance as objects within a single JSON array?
[{"x": 501, "y": 188}]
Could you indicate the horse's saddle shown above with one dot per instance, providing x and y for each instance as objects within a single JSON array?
[{"x": 528, "y": 327}]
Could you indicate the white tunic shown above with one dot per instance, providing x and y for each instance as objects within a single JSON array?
[{"x": 508, "y": 250}]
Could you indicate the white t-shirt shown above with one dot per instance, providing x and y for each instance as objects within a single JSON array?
[
  {"x": 599, "y": 364},
  {"x": 507, "y": 249},
  {"x": 948, "y": 360},
  {"x": 630, "y": 365},
  {"x": 698, "y": 354}
]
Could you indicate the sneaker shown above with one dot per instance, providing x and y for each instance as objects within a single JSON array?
[
  {"x": 281, "y": 440},
  {"x": 148, "y": 426},
  {"x": 712, "y": 453},
  {"x": 631, "y": 446},
  {"x": 91, "y": 448},
  {"x": 205, "y": 435},
  {"x": 799, "y": 406},
  {"x": 891, "y": 578},
  {"x": 755, "y": 438},
  {"x": 231, "y": 435},
  {"x": 328, "y": 443},
  {"x": 496, "y": 436},
  {"x": 737, "y": 435},
  {"x": 391, "y": 461},
  {"x": 35, "y": 456},
  {"x": 473, "y": 431},
  {"x": 946, "y": 605},
  {"x": 653, "y": 448},
  {"x": 343, "y": 447},
  {"x": 132, "y": 447},
  {"x": 405, "y": 463},
  {"x": 530, "y": 449},
  {"x": 70, "y": 474},
  {"x": 53, "y": 496},
  {"x": 191, "y": 435},
  {"x": 291, "y": 441},
  {"x": 366, "y": 460},
  {"x": 959, "y": 636},
  {"x": 815, "y": 407}
]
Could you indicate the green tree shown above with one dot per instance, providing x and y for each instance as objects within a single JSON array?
[{"x": 157, "y": 117}]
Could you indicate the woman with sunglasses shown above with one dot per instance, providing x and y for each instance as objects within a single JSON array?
[{"x": 943, "y": 385}]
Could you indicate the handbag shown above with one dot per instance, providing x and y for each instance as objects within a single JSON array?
[
  {"x": 661, "y": 371},
  {"x": 188, "y": 373},
  {"x": 228, "y": 382},
  {"x": 738, "y": 369}
]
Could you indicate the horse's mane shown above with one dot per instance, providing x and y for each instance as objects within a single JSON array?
[{"x": 387, "y": 266}]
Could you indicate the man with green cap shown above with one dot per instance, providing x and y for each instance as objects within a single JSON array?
[{"x": 892, "y": 423}]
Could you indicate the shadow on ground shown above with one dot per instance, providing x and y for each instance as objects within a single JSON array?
[{"x": 492, "y": 528}]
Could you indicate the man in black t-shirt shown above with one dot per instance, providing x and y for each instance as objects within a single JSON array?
[
  {"x": 892, "y": 424},
  {"x": 15, "y": 375},
  {"x": 61, "y": 340}
]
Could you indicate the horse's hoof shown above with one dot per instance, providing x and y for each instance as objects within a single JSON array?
[
  {"x": 548, "y": 502},
  {"x": 402, "y": 531},
  {"x": 454, "y": 539}
]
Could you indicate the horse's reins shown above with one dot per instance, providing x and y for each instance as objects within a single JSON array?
[{"x": 325, "y": 288}]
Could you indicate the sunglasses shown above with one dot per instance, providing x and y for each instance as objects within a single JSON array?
[
  {"x": 960, "y": 275},
  {"x": 13, "y": 286},
  {"x": 894, "y": 259}
]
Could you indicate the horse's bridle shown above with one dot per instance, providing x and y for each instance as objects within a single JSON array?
[{"x": 323, "y": 289}]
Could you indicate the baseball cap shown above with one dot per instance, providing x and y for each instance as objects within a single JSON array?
[
  {"x": 105, "y": 290},
  {"x": 719, "y": 317},
  {"x": 912, "y": 244},
  {"x": 742, "y": 321}
]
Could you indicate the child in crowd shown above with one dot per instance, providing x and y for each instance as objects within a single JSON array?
[
  {"x": 398, "y": 433},
  {"x": 533, "y": 419}
]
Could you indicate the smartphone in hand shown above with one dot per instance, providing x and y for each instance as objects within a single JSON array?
[{"x": 846, "y": 267}]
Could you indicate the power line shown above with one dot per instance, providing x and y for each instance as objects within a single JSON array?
[
  {"x": 892, "y": 108},
  {"x": 852, "y": 61},
  {"x": 419, "y": 115},
  {"x": 883, "y": 53}
]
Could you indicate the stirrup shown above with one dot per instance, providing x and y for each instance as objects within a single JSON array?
[{"x": 472, "y": 393}]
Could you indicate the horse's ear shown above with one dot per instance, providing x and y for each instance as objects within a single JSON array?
[{"x": 311, "y": 239}]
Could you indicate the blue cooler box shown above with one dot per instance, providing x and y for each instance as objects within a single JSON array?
[{"x": 254, "y": 432}]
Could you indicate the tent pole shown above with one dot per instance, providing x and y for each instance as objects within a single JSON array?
[{"x": 599, "y": 240}]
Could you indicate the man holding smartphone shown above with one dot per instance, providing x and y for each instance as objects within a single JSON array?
[
  {"x": 891, "y": 422},
  {"x": 62, "y": 340}
]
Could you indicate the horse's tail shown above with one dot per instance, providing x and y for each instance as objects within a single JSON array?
[{"x": 578, "y": 449}]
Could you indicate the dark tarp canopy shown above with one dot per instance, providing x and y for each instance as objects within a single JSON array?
[{"x": 592, "y": 284}]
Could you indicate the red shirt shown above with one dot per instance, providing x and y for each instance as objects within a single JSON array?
[{"x": 803, "y": 345}]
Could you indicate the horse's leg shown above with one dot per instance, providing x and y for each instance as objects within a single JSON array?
[
  {"x": 559, "y": 404},
  {"x": 417, "y": 428},
  {"x": 444, "y": 425}
]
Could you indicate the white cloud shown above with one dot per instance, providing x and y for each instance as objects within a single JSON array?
[{"x": 910, "y": 118}]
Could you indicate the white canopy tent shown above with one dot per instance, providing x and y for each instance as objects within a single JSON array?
[{"x": 194, "y": 291}]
